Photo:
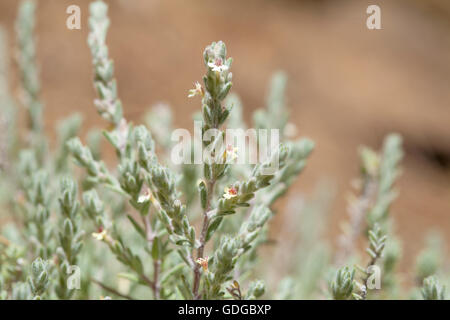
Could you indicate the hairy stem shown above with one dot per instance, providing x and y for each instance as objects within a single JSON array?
[
  {"x": 197, "y": 273},
  {"x": 357, "y": 216},
  {"x": 372, "y": 262},
  {"x": 156, "y": 263}
]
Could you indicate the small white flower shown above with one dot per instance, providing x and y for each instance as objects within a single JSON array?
[
  {"x": 197, "y": 91},
  {"x": 230, "y": 193},
  {"x": 101, "y": 235},
  {"x": 143, "y": 198},
  {"x": 217, "y": 65},
  {"x": 146, "y": 196},
  {"x": 230, "y": 153},
  {"x": 203, "y": 262}
]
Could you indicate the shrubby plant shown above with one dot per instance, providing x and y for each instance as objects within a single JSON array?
[{"x": 144, "y": 228}]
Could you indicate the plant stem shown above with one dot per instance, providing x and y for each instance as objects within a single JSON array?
[
  {"x": 357, "y": 216},
  {"x": 156, "y": 287},
  {"x": 113, "y": 291},
  {"x": 156, "y": 263},
  {"x": 147, "y": 280},
  {"x": 197, "y": 273},
  {"x": 372, "y": 262}
]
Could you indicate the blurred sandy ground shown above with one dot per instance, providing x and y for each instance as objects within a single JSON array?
[{"x": 347, "y": 85}]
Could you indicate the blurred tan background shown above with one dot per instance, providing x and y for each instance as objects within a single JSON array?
[{"x": 347, "y": 85}]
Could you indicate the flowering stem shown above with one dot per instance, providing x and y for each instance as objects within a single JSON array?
[{"x": 197, "y": 273}]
